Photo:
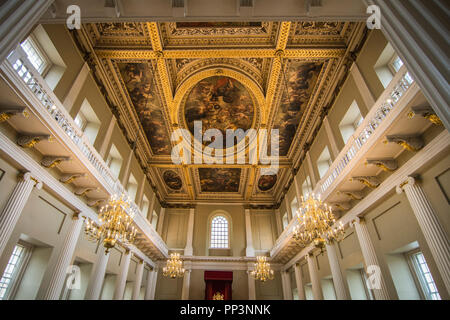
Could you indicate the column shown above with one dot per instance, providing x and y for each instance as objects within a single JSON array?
[
  {"x": 286, "y": 282},
  {"x": 138, "y": 281},
  {"x": 288, "y": 207},
  {"x": 380, "y": 289},
  {"x": 51, "y": 289},
  {"x": 75, "y": 89},
  {"x": 107, "y": 139},
  {"x": 250, "y": 251},
  {"x": 188, "y": 250},
  {"x": 153, "y": 286},
  {"x": 140, "y": 191},
  {"x": 361, "y": 83},
  {"x": 331, "y": 138},
  {"x": 162, "y": 212},
  {"x": 251, "y": 283},
  {"x": 433, "y": 231},
  {"x": 17, "y": 19},
  {"x": 340, "y": 285},
  {"x": 312, "y": 174},
  {"x": 148, "y": 287},
  {"x": 299, "y": 281},
  {"x": 279, "y": 222},
  {"x": 97, "y": 275},
  {"x": 122, "y": 278},
  {"x": 315, "y": 281},
  {"x": 186, "y": 281},
  {"x": 151, "y": 207},
  {"x": 126, "y": 170},
  {"x": 298, "y": 193},
  {"x": 14, "y": 206},
  {"x": 408, "y": 25}
]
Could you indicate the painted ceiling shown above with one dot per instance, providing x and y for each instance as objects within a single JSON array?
[{"x": 225, "y": 75}]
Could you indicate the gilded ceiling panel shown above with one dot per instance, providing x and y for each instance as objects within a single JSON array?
[
  {"x": 139, "y": 82},
  {"x": 300, "y": 80},
  {"x": 219, "y": 179},
  {"x": 228, "y": 75}
]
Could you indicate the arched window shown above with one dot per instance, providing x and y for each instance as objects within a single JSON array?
[{"x": 219, "y": 232}]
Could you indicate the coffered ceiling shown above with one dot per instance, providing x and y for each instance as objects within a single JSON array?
[{"x": 160, "y": 77}]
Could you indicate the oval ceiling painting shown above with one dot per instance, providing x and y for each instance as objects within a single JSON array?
[
  {"x": 221, "y": 103},
  {"x": 172, "y": 180},
  {"x": 266, "y": 182}
]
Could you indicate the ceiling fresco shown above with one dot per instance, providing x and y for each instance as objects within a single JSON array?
[
  {"x": 140, "y": 85},
  {"x": 266, "y": 182},
  {"x": 229, "y": 75},
  {"x": 172, "y": 180},
  {"x": 221, "y": 103},
  {"x": 219, "y": 179},
  {"x": 300, "y": 80}
]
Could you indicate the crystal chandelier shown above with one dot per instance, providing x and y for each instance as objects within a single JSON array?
[
  {"x": 174, "y": 266},
  {"x": 262, "y": 270},
  {"x": 315, "y": 223},
  {"x": 115, "y": 223}
]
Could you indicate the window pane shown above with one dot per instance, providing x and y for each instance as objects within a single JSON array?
[
  {"x": 36, "y": 59},
  {"x": 11, "y": 270},
  {"x": 219, "y": 232},
  {"x": 425, "y": 277}
]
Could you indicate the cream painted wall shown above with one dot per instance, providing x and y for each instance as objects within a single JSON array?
[
  {"x": 264, "y": 230},
  {"x": 33, "y": 274},
  {"x": 371, "y": 51},
  {"x": 269, "y": 290}
]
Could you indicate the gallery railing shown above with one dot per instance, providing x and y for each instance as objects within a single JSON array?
[{"x": 39, "y": 88}]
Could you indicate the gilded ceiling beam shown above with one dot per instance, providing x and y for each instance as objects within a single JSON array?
[
  {"x": 275, "y": 71},
  {"x": 147, "y": 54},
  {"x": 202, "y": 165},
  {"x": 161, "y": 63}
]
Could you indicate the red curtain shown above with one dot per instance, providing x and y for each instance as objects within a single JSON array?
[{"x": 218, "y": 281}]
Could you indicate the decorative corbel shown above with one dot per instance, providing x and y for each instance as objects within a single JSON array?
[
  {"x": 53, "y": 161},
  {"x": 344, "y": 206},
  {"x": 354, "y": 195},
  {"x": 408, "y": 142},
  {"x": 8, "y": 112},
  {"x": 83, "y": 190},
  {"x": 29, "y": 141},
  {"x": 95, "y": 202},
  {"x": 371, "y": 182},
  {"x": 427, "y": 112},
  {"x": 70, "y": 177},
  {"x": 388, "y": 165}
]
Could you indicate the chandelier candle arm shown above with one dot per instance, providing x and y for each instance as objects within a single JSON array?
[{"x": 316, "y": 223}]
